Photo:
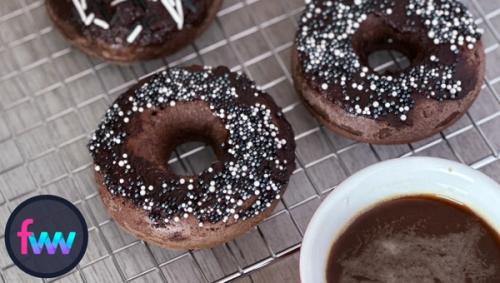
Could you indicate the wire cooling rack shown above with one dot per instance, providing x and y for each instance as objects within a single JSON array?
[{"x": 52, "y": 96}]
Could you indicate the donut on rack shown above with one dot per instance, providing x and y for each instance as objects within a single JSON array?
[
  {"x": 331, "y": 71},
  {"x": 131, "y": 30},
  {"x": 251, "y": 138}
]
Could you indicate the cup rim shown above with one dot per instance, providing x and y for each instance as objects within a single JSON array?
[{"x": 450, "y": 169}]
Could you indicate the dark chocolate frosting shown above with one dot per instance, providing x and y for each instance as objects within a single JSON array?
[
  {"x": 117, "y": 19},
  {"x": 253, "y": 142},
  {"x": 335, "y": 38}
]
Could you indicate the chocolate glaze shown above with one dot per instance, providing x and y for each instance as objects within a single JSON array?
[
  {"x": 130, "y": 30},
  {"x": 335, "y": 38},
  {"x": 158, "y": 25},
  {"x": 253, "y": 142},
  {"x": 416, "y": 239}
]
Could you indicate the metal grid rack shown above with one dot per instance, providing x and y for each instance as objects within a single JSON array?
[{"x": 52, "y": 96}]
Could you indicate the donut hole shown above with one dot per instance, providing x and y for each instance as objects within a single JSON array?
[
  {"x": 192, "y": 158},
  {"x": 175, "y": 139},
  {"x": 386, "y": 50},
  {"x": 388, "y": 61}
]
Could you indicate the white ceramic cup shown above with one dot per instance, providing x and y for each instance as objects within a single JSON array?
[{"x": 388, "y": 180}]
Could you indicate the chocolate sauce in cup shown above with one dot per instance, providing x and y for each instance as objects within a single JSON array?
[
  {"x": 406, "y": 220},
  {"x": 416, "y": 239}
]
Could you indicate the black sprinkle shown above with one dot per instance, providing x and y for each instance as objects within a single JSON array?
[
  {"x": 258, "y": 169},
  {"x": 328, "y": 59}
]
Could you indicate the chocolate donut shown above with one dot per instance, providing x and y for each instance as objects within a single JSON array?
[
  {"x": 253, "y": 142},
  {"x": 330, "y": 66},
  {"x": 131, "y": 30}
]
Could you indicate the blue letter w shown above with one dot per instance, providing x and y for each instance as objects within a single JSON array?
[{"x": 51, "y": 245}]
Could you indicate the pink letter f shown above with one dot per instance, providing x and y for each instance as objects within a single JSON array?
[{"x": 24, "y": 234}]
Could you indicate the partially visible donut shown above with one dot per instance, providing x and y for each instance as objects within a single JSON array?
[
  {"x": 330, "y": 66},
  {"x": 125, "y": 31},
  {"x": 252, "y": 140}
]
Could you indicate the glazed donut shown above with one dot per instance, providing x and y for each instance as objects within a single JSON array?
[
  {"x": 253, "y": 142},
  {"x": 125, "y": 31},
  {"x": 331, "y": 72}
]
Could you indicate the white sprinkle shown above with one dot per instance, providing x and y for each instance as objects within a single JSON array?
[
  {"x": 101, "y": 23},
  {"x": 175, "y": 10},
  {"x": 134, "y": 34},
  {"x": 81, "y": 6},
  {"x": 116, "y": 2}
]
